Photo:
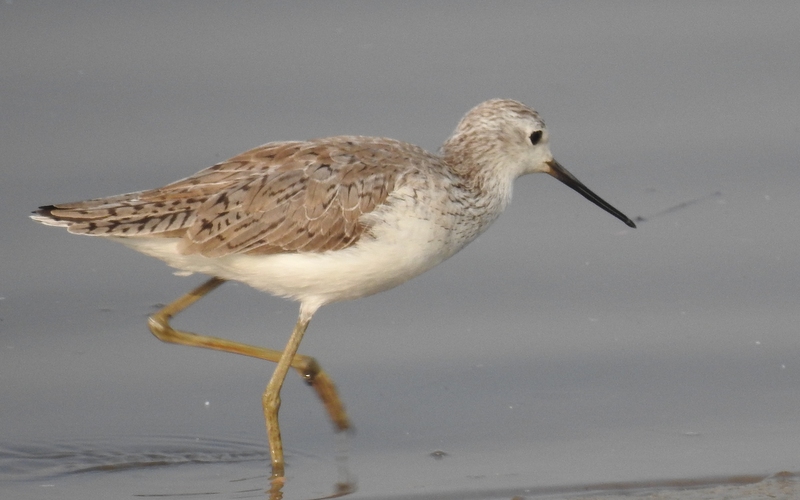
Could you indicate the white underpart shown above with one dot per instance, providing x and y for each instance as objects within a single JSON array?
[{"x": 408, "y": 240}]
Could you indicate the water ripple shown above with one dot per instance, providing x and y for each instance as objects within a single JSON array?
[{"x": 25, "y": 461}]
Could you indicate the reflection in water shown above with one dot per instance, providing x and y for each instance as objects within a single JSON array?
[
  {"x": 37, "y": 461},
  {"x": 40, "y": 460},
  {"x": 344, "y": 486},
  {"x": 109, "y": 459}
]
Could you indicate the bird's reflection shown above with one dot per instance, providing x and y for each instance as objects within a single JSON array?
[{"x": 345, "y": 484}]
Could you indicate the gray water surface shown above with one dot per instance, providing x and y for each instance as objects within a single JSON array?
[{"x": 561, "y": 349}]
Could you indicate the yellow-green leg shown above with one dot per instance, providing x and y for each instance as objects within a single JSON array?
[
  {"x": 271, "y": 400},
  {"x": 307, "y": 366}
]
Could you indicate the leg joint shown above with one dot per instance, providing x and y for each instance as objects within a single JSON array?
[
  {"x": 310, "y": 370},
  {"x": 159, "y": 326}
]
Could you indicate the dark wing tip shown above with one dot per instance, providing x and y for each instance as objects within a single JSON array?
[{"x": 45, "y": 210}]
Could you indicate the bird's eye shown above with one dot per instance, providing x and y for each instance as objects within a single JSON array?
[{"x": 536, "y": 137}]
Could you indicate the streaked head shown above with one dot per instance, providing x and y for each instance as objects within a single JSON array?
[{"x": 506, "y": 138}]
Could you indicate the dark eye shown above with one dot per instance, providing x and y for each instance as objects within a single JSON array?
[{"x": 536, "y": 137}]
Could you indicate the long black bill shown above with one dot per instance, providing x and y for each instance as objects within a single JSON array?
[{"x": 562, "y": 174}]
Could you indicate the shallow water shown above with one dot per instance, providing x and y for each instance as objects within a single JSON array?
[
  {"x": 560, "y": 355},
  {"x": 555, "y": 427},
  {"x": 192, "y": 467}
]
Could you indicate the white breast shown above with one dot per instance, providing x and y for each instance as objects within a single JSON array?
[{"x": 407, "y": 238}]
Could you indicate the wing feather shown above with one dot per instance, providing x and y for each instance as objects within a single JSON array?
[{"x": 277, "y": 198}]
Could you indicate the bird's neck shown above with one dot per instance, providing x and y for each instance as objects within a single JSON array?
[{"x": 478, "y": 173}]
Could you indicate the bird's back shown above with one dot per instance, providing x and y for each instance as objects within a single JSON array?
[{"x": 281, "y": 197}]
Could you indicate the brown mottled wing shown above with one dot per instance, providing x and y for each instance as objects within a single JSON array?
[
  {"x": 309, "y": 197},
  {"x": 280, "y": 197},
  {"x": 163, "y": 212}
]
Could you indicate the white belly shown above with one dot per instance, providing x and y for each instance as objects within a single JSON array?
[{"x": 406, "y": 242}]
